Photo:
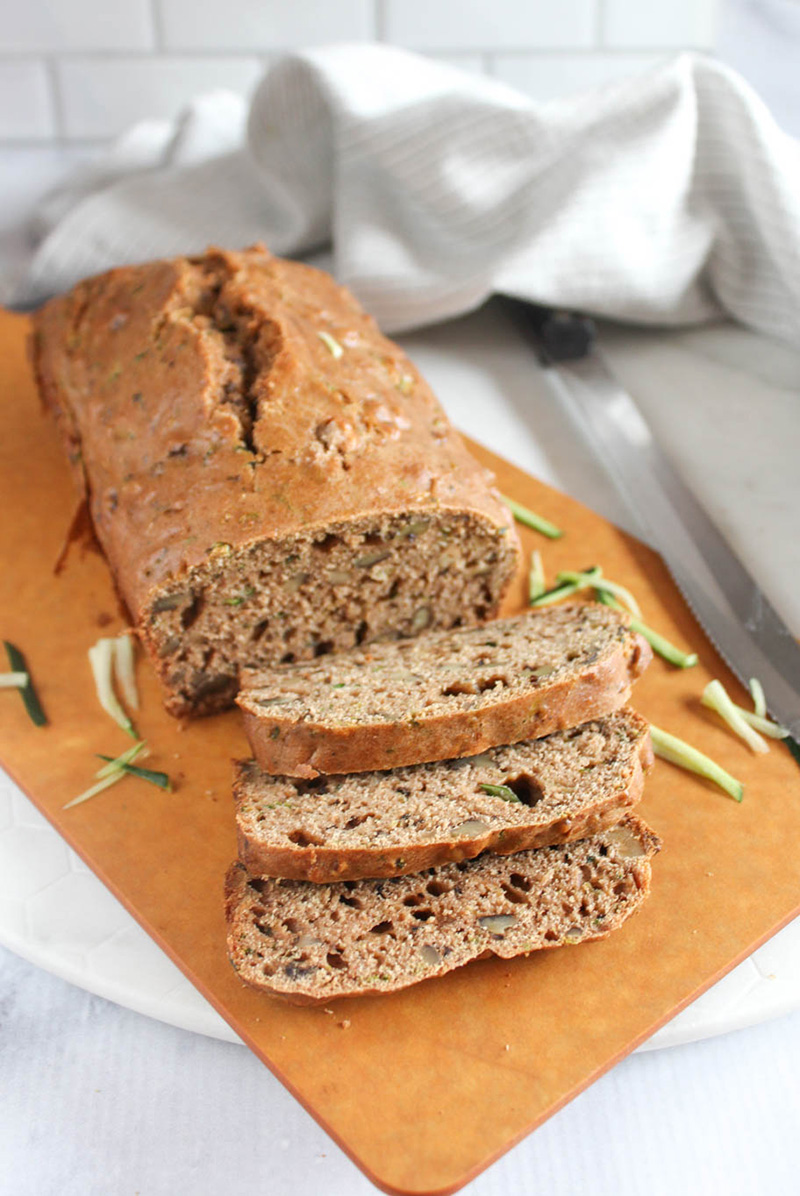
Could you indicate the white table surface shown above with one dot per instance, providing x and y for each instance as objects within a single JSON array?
[{"x": 97, "y": 1099}]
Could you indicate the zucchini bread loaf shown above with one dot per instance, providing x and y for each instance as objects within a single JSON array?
[{"x": 268, "y": 476}]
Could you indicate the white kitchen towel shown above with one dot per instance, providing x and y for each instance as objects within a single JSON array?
[{"x": 668, "y": 198}]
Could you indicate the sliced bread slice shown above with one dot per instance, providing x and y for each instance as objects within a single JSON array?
[
  {"x": 566, "y": 786},
  {"x": 443, "y": 695},
  {"x": 311, "y": 943}
]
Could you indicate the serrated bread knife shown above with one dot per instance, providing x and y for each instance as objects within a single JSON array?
[{"x": 727, "y": 602}]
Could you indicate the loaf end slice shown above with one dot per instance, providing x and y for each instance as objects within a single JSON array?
[
  {"x": 309, "y": 943},
  {"x": 444, "y": 695},
  {"x": 269, "y": 477},
  {"x": 567, "y": 786}
]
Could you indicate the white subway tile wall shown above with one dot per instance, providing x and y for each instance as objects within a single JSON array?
[
  {"x": 488, "y": 24},
  {"x": 633, "y": 24},
  {"x": 61, "y": 26},
  {"x": 26, "y": 109},
  {"x": 101, "y": 96},
  {"x": 83, "y": 70},
  {"x": 549, "y": 76},
  {"x": 264, "y": 24}
]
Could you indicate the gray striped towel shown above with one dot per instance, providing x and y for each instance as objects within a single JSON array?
[{"x": 669, "y": 198}]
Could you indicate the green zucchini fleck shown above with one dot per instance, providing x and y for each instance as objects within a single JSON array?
[{"x": 500, "y": 791}]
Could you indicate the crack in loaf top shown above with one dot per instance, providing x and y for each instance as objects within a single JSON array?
[{"x": 220, "y": 399}]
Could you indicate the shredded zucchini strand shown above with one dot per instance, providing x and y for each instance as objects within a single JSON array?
[
  {"x": 584, "y": 582},
  {"x": 531, "y": 519},
  {"x": 124, "y": 670},
  {"x": 93, "y": 790},
  {"x": 101, "y": 658},
  {"x": 159, "y": 779},
  {"x": 564, "y": 589},
  {"x": 536, "y": 579},
  {"x": 13, "y": 680},
  {"x": 115, "y": 763},
  {"x": 500, "y": 791},
  {"x": 27, "y": 692},
  {"x": 123, "y": 762},
  {"x": 677, "y": 751},
  {"x": 716, "y": 698},
  {"x": 765, "y": 725},
  {"x": 659, "y": 644},
  {"x": 115, "y": 768},
  {"x": 331, "y": 344},
  {"x": 745, "y": 723},
  {"x": 759, "y": 698}
]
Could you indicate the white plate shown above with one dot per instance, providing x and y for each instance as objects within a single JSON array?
[{"x": 57, "y": 914}]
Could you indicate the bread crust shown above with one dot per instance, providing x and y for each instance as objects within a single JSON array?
[
  {"x": 237, "y": 881},
  {"x": 204, "y": 413},
  {"x": 305, "y": 749},
  {"x": 324, "y": 865}
]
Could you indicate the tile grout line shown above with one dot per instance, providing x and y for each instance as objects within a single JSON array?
[
  {"x": 56, "y": 98},
  {"x": 156, "y": 19},
  {"x": 599, "y": 23},
  {"x": 213, "y": 54},
  {"x": 40, "y": 143},
  {"x": 379, "y": 20}
]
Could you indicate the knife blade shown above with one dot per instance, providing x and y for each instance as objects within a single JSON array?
[{"x": 725, "y": 599}]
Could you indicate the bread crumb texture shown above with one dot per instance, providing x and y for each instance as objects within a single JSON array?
[
  {"x": 565, "y": 786},
  {"x": 313, "y": 943},
  {"x": 443, "y": 695}
]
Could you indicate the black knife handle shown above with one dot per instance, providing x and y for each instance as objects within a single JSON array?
[{"x": 557, "y": 335}]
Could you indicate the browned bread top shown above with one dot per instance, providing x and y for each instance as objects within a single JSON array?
[
  {"x": 566, "y": 786},
  {"x": 311, "y": 943},
  {"x": 245, "y": 435},
  {"x": 443, "y": 695}
]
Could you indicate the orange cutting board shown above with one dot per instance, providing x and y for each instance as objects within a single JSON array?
[{"x": 424, "y": 1088}]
